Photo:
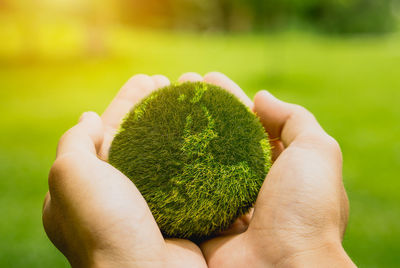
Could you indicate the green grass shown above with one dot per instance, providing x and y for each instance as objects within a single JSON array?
[{"x": 352, "y": 86}]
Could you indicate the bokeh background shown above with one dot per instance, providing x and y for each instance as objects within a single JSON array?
[{"x": 338, "y": 58}]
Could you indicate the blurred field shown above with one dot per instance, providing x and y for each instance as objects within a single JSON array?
[{"x": 351, "y": 85}]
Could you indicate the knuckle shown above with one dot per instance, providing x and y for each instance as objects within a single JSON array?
[
  {"x": 160, "y": 77},
  {"x": 160, "y": 80},
  {"x": 190, "y": 76},
  {"x": 56, "y": 168},
  {"x": 138, "y": 77},
  {"x": 214, "y": 75},
  {"x": 321, "y": 142},
  {"x": 184, "y": 75},
  {"x": 141, "y": 81},
  {"x": 60, "y": 168},
  {"x": 332, "y": 143},
  {"x": 67, "y": 135},
  {"x": 300, "y": 110}
]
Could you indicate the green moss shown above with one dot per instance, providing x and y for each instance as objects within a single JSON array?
[
  {"x": 197, "y": 155},
  {"x": 140, "y": 109}
]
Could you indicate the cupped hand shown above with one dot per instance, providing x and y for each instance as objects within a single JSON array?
[
  {"x": 97, "y": 217},
  {"x": 93, "y": 213},
  {"x": 301, "y": 211}
]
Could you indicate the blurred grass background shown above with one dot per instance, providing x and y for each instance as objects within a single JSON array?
[{"x": 54, "y": 65}]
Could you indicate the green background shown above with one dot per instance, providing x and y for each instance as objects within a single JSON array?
[{"x": 352, "y": 85}]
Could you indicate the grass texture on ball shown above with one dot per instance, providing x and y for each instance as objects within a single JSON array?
[{"x": 198, "y": 156}]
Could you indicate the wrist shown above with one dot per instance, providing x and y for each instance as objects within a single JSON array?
[{"x": 328, "y": 255}]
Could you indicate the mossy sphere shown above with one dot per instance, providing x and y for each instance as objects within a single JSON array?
[{"x": 197, "y": 154}]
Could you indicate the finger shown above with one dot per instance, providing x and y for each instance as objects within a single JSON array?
[
  {"x": 223, "y": 81},
  {"x": 131, "y": 93},
  {"x": 160, "y": 80},
  {"x": 190, "y": 77},
  {"x": 86, "y": 136},
  {"x": 286, "y": 121}
]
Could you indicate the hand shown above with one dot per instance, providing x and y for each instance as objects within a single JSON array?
[
  {"x": 301, "y": 211},
  {"x": 93, "y": 213}
]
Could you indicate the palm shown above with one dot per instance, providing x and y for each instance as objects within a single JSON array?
[
  {"x": 277, "y": 219},
  {"x": 302, "y": 203}
]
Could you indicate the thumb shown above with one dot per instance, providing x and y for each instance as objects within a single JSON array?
[{"x": 86, "y": 136}]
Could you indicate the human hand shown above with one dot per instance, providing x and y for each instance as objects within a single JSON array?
[
  {"x": 93, "y": 213},
  {"x": 301, "y": 211}
]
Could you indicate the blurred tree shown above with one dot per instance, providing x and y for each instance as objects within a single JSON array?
[
  {"x": 360, "y": 16},
  {"x": 98, "y": 16},
  {"x": 38, "y": 21},
  {"x": 332, "y": 16},
  {"x": 26, "y": 22},
  {"x": 196, "y": 15},
  {"x": 339, "y": 16},
  {"x": 226, "y": 11},
  {"x": 346, "y": 16},
  {"x": 175, "y": 14},
  {"x": 150, "y": 13}
]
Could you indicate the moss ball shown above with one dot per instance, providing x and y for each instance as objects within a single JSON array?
[{"x": 197, "y": 154}]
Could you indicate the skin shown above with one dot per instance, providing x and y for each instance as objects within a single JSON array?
[{"x": 97, "y": 218}]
